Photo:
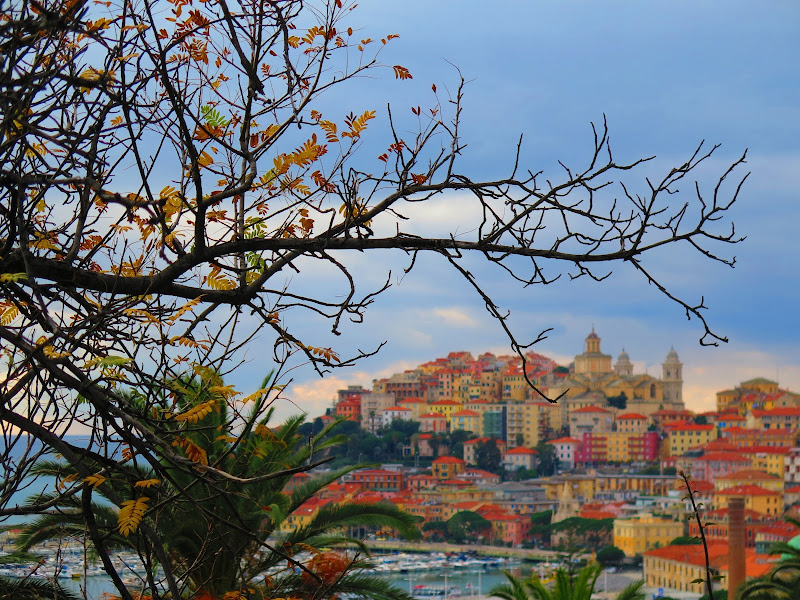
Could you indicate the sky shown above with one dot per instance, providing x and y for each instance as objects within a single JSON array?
[{"x": 666, "y": 75}]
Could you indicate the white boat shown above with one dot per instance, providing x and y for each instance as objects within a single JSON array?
[{"x": 435, "y": 592}]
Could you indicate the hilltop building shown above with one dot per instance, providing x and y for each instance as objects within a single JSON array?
[{"x": 593, "y": 379}]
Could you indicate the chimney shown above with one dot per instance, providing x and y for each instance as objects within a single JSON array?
[{"x": 736, "y": 546}]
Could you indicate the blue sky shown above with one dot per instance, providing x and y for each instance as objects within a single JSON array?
[{"x": 667, "y": 74}]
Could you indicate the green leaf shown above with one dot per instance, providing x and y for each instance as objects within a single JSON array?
[{"x": 213, "y": 117}]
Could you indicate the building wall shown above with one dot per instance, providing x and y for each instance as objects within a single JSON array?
[{"x": 636, "y": 536}]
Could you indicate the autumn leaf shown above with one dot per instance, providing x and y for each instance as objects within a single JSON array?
[
  {"x": 401, "y": 72},
  {"x": 131, "y": 514},
  {"x": 147, "y": 483},
  {"x": 193, "y": 415},
  {"x": 95, "y": 480}
]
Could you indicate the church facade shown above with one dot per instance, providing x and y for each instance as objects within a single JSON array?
[{"x": 594, "y": 378}]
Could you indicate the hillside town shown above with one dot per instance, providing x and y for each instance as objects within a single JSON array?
[{"x": 600, "y": 468}]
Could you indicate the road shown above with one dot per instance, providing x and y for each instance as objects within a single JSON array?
[{"x": 524, "y": 553}]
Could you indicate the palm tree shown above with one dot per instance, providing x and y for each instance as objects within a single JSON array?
[
  {"x": 33, "y": 589},
  {"x": 783, "y": 581},
  {"x": 223, "y": 535},
  {"x": 565, "y": 587}
]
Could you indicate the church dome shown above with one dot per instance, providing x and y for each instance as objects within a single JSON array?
[
  {"x": 672, "y": 356},
  {"x": 623, "y": 357}
]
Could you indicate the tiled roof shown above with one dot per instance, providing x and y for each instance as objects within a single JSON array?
[
  {"x": 747, "y": 490},
  {"x": 749, "y": 475},
  {"x": 590, "y": 409},
  {"x": 692, "y": 554},
  {"x": 631, "y": 416},
  {"x": 564, "y": 440},
  {"x": 521, "y": 450}
]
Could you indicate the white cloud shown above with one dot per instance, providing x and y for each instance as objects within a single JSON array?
[
  {"x": 455, "y": 316},
  {"x": 314, "y": 396}
]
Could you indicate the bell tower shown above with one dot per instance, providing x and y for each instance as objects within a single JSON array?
[{"x": 672, "y": 379}]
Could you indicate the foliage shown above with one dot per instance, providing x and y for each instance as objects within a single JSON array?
[
  {"x": 488, "y": 456},
  {"x": 435, "y": 530},
  {"x": 685, "y": 540},
  {"x": 620, "y": 401},
  {"x": 467, "y": 525},
  {"x": 218, "y": 537},
  {"x": 523, "y": 474},
  {"x": 541, "y": 526},
  {"x": 589, "y": 533},
  {"x": 548, "y": 461},
  {"x": 610, "y": 555},
  {"x": 579, "y": 586},
  {"x": 33, "y": 589},
  {"x": 173, "y": 184},
  {"x": 783, "y": 580}
]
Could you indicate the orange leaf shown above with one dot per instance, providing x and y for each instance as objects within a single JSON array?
[{"x": 401, "y": 72}]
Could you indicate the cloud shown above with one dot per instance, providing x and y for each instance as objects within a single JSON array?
[
  {"x": 455, "y": 316},
  {"x": 315, "y": 396}
]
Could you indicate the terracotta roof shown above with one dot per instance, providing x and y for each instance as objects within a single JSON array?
[
  {"x": 597, "y": 514},
  {"x": 693, "y": 554},
  {"x": 432, "y": 415},
  {"x": 564, "y": 440},
  {"x": 396, "y": 408},
  {"x": 764, "y": 450},
  {"x": 631, "y": 416},
  {"x": 724, "y": 457},
  {"x": 590, "y": 409},
  {"x": 697, "y": 485},
  {"x": 477, "y": 440},
  {"x": 692, "y": 427},
  {"x": 747, "y": 490},
  {"x": 445, "y": 403},
  {"x": 522, "y": 450},
  {"x": 466, "y": 413},
  {"x": 749, "y": 475},
  {"x": 783, "y": 411},
  {"x": 478, "y": 473}
]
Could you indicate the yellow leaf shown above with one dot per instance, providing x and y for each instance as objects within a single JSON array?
[
  {"x": 205, "y": 159},
  {"x": 226, "y": 391},
  {"x": 95, "y": 480},
  {"x": 194, "y": 414},
  {"x": 131, "y": 514},
  {"x": 184, "y": 309},
  {"x": 146, "y": 483}
]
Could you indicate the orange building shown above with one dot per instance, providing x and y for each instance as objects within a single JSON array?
[
  {"x": 379, "y": 480},
  {"x": 447, "y": 467}
]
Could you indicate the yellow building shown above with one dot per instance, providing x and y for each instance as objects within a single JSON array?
[
  {"x": 594, "y": 373},
  {"x": 417, "y": 406},
  {"x": 757, "y": 477},
  {"x": 689, "y": 435},
  {"x": 447, "y": 467},
  {"x": 680, "y": 567},
  {"x": 446, "y": 408},
  {"x": 757, "y": 498},
  {"x": 466, "y": 420},
  {"x": 583, "y": 486},
  {"x": 756, "y": 394},
  {"x": 767, "y": 458},
  {"x": 528, "y": 420},
  {"x": 632, "y": 423},
  {"x": 644, "y": 532}
]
